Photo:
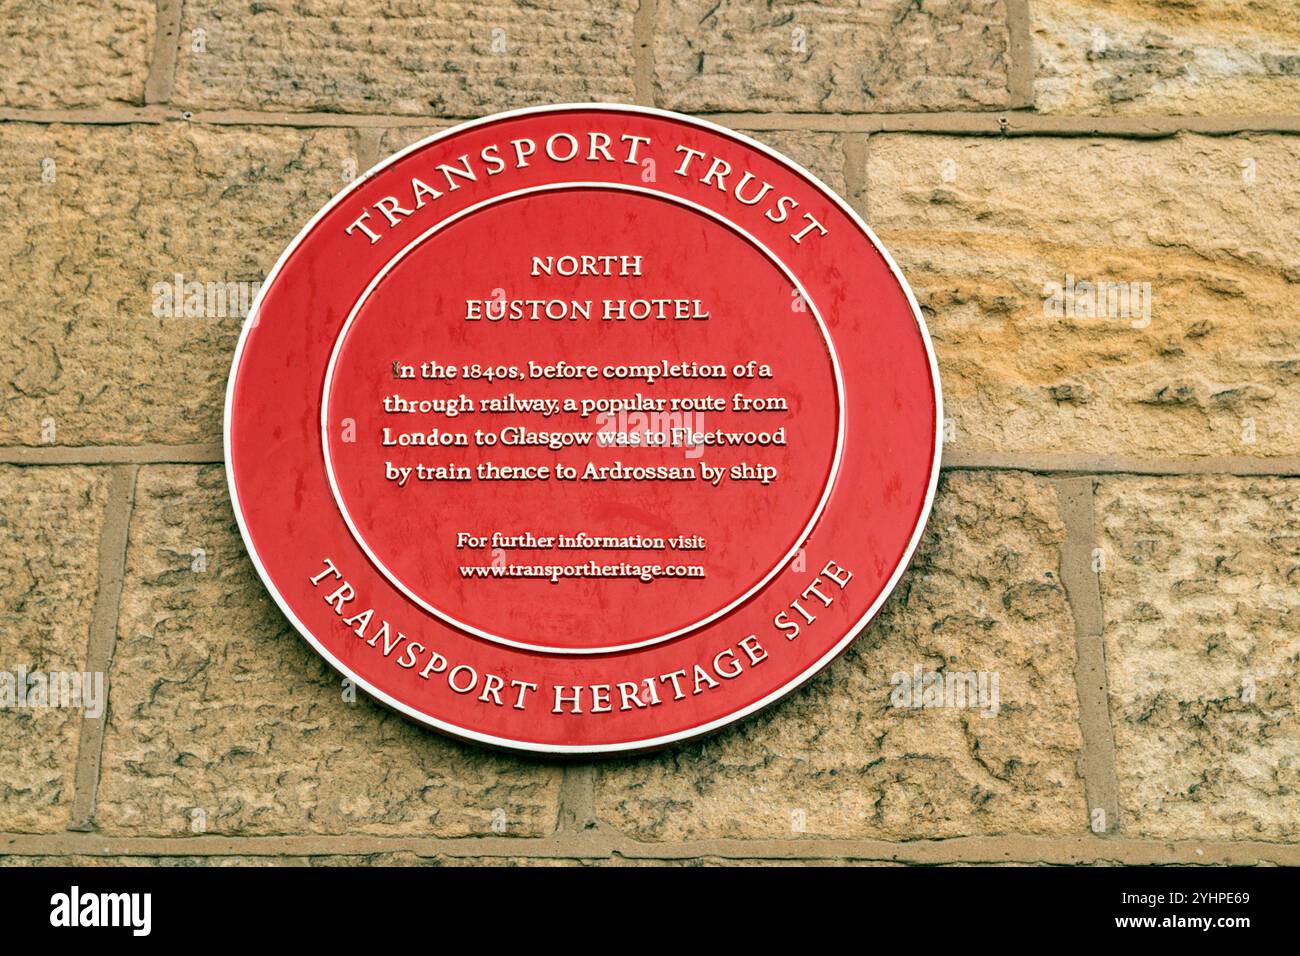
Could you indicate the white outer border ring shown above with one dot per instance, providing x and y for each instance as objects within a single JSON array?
[
  {"x": 583, "y": 651},
  {"x": 630, "y": 745}
]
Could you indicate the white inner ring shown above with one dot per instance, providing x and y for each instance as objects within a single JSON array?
[{"x": 544, "y": 648}]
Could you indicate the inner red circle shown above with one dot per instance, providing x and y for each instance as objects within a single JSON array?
[{"x": 560, "y": 594}]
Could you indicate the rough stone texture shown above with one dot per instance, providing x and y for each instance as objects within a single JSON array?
[
  {"x": 77, "y": 53},
  {"x": 1202, "y": 601},
  {"x": 128, "y": 208},
  {"x": 181, "y": 862},
  {"x": 219, "y": 705},
  {"x": 396, "y": 138},
  {"x": 1142, "y": 57},
  {"x": 850, "y": 56},
  {"x": 981, "y": 227},
  {"x": 983, "y": 594},
  {"x": 50, "y": 521},
  {"x": 822, "y": 154},
  {"x": 392, "y": 859},
  {"x": 459, "y": 58},
  {"x": 324, "y": 860}
]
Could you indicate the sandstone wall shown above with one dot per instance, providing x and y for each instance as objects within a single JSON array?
[{"x": 1116, "y": 535}]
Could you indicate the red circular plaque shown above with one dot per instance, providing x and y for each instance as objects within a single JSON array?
[{"x": 582, "y": 429}]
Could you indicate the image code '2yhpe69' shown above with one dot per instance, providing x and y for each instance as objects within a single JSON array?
[{"x": 583, "y": 429}]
